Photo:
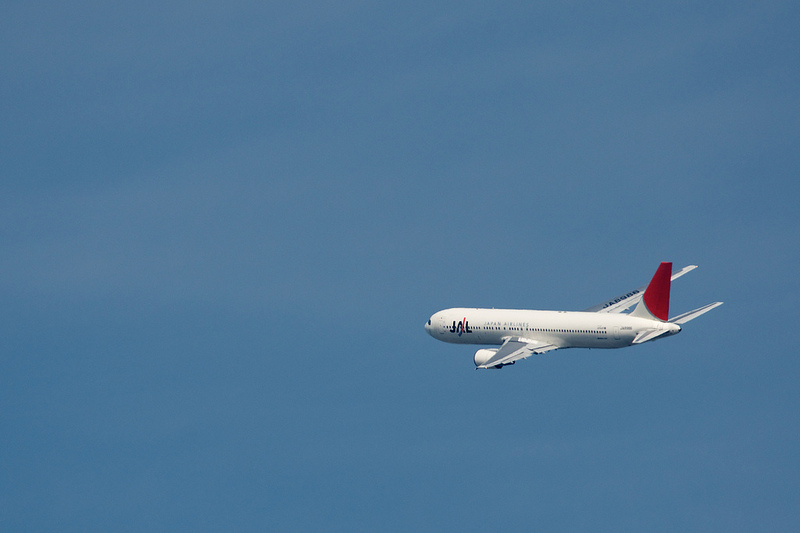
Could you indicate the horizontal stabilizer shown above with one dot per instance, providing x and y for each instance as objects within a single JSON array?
[
  {"x": 649, "y": 334},
  {"x": 691, "y": 315}
]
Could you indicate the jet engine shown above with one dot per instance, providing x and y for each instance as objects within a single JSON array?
[{"x": 483, "y": 355}]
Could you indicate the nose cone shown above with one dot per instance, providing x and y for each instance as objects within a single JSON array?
[{"x": 429, "y": 326}]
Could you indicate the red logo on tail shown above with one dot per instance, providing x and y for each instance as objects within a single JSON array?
[{"x": 656, "y": 297}]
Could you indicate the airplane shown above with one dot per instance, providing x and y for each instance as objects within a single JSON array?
[{"x": 521, "y": 333}]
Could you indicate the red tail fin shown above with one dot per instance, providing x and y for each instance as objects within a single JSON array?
[{"x": 656, "y": 296}]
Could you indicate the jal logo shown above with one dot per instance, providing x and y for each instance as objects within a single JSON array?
[{"x": 460, "y": 327}]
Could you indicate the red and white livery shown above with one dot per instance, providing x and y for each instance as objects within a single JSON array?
[{"x": 521, "y": 333}]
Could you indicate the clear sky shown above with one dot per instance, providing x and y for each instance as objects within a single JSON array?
[{"x": 223, "y": 225}]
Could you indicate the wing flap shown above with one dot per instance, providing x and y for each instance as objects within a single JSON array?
[{"x": 516, "y": 348}]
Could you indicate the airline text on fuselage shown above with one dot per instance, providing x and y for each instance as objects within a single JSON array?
[{"x": 621, "y": 298}]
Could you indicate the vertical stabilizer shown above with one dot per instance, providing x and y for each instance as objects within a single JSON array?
[{"x": 655, "y": 302}]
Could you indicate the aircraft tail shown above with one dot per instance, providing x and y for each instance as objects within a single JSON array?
[{"x": 655, "y": 302}]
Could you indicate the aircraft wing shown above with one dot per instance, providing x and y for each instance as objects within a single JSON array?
[
  {"x": 515, "y": 348},
  {"x": 631, "y": 298}
]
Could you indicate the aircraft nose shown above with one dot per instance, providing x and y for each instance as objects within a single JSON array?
[{"x": 429, "y": 327}]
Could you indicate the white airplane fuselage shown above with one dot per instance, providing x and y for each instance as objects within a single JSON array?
[
  {"x": 521, "y": 333},
  {"x": 565, "y": 329}
]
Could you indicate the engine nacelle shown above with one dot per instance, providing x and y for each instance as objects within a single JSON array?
[{"x": 483, "y": 355}]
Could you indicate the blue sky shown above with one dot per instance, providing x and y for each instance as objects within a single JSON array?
[{"x": 224, "y": 225}]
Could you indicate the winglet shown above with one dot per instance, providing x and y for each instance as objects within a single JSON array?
[{"x": 655, "y": 302}]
